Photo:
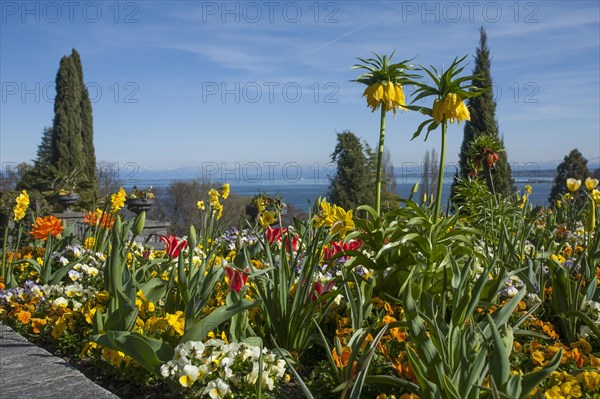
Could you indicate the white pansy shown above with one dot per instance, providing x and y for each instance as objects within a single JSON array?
[
  {"x": 60, "y": 302},
  {"x": 217, "y": 389},
  {"x": 194, "y": 349},
  {"x": 189, "y": 376}
]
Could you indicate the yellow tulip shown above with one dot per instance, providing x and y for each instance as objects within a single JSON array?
[
  {"x": 591, "y": 184},
  {"x": 573, "y": 184}
]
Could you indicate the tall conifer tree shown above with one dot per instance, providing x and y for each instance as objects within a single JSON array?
[
  {"x": 483, "y": 120},
  {"x": 352, "y": 185},
  {"x": 72, "y": 141},
  {"x": 573, "y": 166}
]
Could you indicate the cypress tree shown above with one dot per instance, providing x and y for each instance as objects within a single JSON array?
[
  {"x": 44, "y": 151},
  {"x": 352, "y": 185},
  {"x": 72, "y": 144},
  {"x": 573, "y": 166},
  {"x": 483, "y": 120}
]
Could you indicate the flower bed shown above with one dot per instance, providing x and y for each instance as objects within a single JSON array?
[
  {"x": 235, "y": 314},
  {"x": 497, "y": 299}
]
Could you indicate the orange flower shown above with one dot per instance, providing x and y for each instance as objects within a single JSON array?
[
  {"x": 37, "y": 324},
  {"x": 24, "y": 317},
  {"x": 99, "y": 218},
  {"x": 47, "y": 225},
  {"x": 538, "y": 358},
  {"x": 343, "y": 361}
]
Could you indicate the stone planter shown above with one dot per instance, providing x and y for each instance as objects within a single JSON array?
[
  {"x": 67, "y": 201},
  {"x": 139, "y": 205}
]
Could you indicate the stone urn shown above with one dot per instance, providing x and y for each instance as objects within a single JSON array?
[
  {"x": 67, "y": 200},
  {"x": 139, "y": 205}
]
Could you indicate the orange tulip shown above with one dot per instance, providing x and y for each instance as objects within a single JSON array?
[{"x": 46, "y": 225}]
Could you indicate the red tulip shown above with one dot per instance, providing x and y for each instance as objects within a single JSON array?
[
  {"x": 338, "y": 246},
  {"x": 321, "y": 289},
  {"x": 173, "y": 245},
  {"x": 237, "y": 278},
  {"x": 274, "y": 234},
  {"x": 295, "y": 244}
]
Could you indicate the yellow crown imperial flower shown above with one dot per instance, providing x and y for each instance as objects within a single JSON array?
[
  {"x": 573, "y": 184},
  {"x": 450, "y": 108},
  {"x": 390, "y": 96},
  {"x": 591, "y": 184}
]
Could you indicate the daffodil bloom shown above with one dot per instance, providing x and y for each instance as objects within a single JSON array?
[
  {"x": 266, "y": 218},
  {"x": 342, "y": 223},
  {"x": 201, "y": 205},
  {"x": 21, "y": 207},
  {"x": 225, "y": 191},
  {"x": 591, "y": 184},
  {"x": 214, "y": 197},
  {"x": 573, "y": 184},
  {"x": 450, "y": 108},
  {"x": 389, "y": 95},
  {"x": 117, "y": 200},
  {"x": 596, "y": 196}
]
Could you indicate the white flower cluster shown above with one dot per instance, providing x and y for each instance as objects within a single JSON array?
[
  {"x": 592, "y": 310},
  {"x": 71, "y": 295},
  {"x": 512, "y": 285},
  {"x": 220, "y": 370}
]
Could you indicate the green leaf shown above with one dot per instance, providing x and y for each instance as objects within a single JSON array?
[
  {"x": 150, "y": 353},
  {"x": 200, "y": 329}
]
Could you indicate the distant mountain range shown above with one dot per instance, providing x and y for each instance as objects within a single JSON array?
[{"x": 293, "y": 172}]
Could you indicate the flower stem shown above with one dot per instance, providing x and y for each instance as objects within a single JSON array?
[
  {"x": 379, "y": 162},
  {"x": 438, "y": 199}
]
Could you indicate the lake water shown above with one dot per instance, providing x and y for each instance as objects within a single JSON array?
[{"x": 300, "y": 194}]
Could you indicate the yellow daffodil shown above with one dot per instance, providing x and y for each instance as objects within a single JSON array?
[
  {"x": 573, "y": 184},
  {"x": 591, "y": 184},
  {"x": 342, "y": 222},
  {"x": 218, "y": 209},
  {"x": 225, "y": 191},
  {"x": 266, "y": 219},
  {"x": 117, "y": 200},
  {"x": 213, "y": 196},
  {"x": 528, "y": 189},
  {"x": 22, "y": 203},
  {"x": 201, "y": 205},
  {"x": 596, "y": 196}
]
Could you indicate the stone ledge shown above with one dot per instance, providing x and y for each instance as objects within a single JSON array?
[{"x": 30, "y": 372}]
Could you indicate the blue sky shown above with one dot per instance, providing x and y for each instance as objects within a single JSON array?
[{"x": 182, "y": 84}]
